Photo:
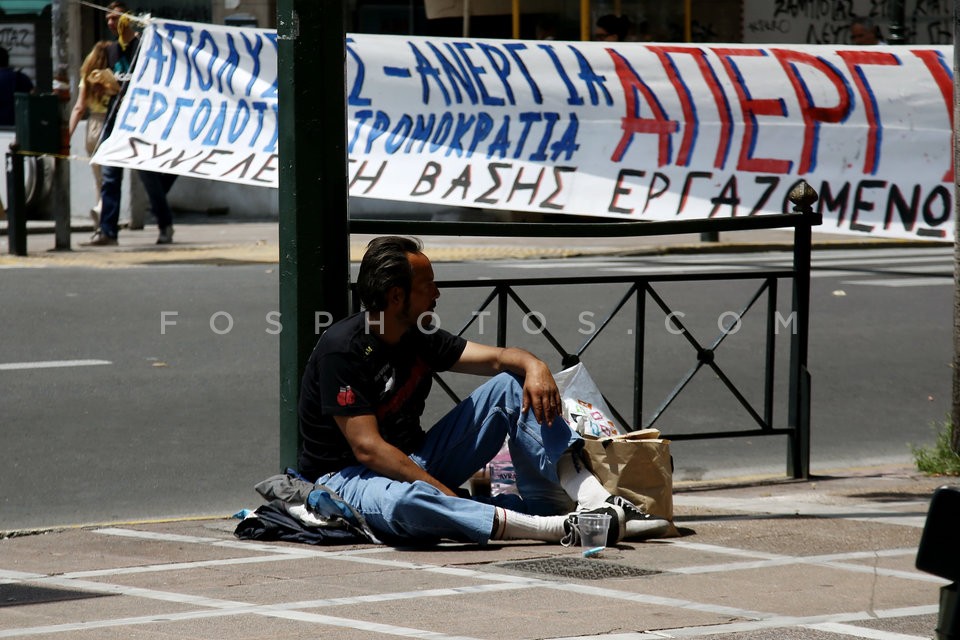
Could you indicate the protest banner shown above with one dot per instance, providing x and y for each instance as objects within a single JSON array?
[
  {"x": 202, "y": 102},
  {"x": 626, "y": 131}
]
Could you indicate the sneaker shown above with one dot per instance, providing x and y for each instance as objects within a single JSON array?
[
  {"x": 571, "y": 532},
  {"x": 166, "y": 235},
  {"x": 638, "y": 524},
  {"x": 100, "y": 240}
]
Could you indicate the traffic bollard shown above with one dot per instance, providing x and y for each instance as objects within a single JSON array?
[{"x": 17, "y": 203}]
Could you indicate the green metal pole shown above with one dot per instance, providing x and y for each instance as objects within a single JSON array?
[
  {"x": 803, "y": 197},
  {"x": 314, "y": 241}
]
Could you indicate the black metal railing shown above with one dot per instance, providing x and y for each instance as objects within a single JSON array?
[{"x": 640, "y": 288}]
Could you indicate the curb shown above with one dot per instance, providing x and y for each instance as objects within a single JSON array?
[{"x": 268, "y": 251}]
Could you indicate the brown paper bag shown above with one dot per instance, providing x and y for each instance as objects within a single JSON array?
[{"x": 636, "y": 466}]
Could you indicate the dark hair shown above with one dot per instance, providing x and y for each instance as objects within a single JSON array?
[
  {"x": 4, "y": 57},
  {"x": 867, "y": 23},
  {"x": 615, "y": 25},
  {"x": 385, "y": 265},
  {"x": 117, "y": 4}
]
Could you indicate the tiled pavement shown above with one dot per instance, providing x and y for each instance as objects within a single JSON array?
[{"x": 826, "y": 559}]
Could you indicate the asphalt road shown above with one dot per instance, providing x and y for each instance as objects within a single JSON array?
[{"x": 172, "y": 407}]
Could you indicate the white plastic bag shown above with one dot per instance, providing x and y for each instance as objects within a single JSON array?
[{"x": 584, "y": 408}]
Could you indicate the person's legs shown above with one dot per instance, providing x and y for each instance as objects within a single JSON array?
[
  {"x": 167, "y": 180},
  {"x": 110, "y": 200},
  {"x": 460, "y": 443},
  {"x": 468, "y": 437},
  {"x": 156, "y": 185},
  {"x": 94, "y": 128},
  {"x": 410, "y": 511}
]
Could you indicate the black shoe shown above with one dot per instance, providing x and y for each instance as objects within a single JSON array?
[
  {"x": 100, "y": 240},
  {"x": 637, "y": 523},
  {"x": 166, "y": 235},
  {"x": 571, "y": 536}
]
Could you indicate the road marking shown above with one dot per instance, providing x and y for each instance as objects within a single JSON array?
[
  {"x": 860, "y": 632},
  {"x": 51, "y": 364},
  {"x": 902, "y": 282}
]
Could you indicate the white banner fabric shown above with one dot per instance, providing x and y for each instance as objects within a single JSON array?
[
  {"x": 628, "y": 131},
  {"x": 202, "y": 103}
]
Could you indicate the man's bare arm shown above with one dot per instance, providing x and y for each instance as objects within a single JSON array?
[
  {"x": 375, "y": 453},
  {"x": 540, "y": 391}
]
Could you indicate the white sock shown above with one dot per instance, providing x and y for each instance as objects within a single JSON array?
[
  {"x": 512, "y": 525},
  {"x": 579, "y": 483}
]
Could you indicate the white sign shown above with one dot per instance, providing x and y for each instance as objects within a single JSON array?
[{"x": 628, "y": 131}]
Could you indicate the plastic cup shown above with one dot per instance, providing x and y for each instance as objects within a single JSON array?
[{"x": 593, "y": 531}]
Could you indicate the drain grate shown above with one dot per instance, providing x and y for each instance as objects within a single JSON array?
[{"x": 582, "y": 568}]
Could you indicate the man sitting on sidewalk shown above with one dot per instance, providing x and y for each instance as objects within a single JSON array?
[{"x": 364, "y": 391}]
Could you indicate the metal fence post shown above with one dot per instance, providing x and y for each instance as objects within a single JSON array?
[
  {"x": 798, "y": 449},
  {"x": 314, "y": 235},
  {"x": 16, "y": 203}
]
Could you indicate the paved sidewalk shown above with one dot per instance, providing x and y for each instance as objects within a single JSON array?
[
  {"x": 828, "y": 559},
  {"x": 202, "y": 240}
]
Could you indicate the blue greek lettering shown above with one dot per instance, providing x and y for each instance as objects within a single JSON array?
[
  {"x": 205, "y": 82},
  {"x": 354, "y": 99},
  {"x": 172, "y": 31},
  {"x": 476, "y": 72},
  {"x": 574, "y": 97},
  {"x": 463, "y": 126},
  {"x": 399, "y": 134},
  {"x": 421, "y": 131},
  {"x": 229, "y": 66},
  {"x": 179, "y": 103},
  {"x": 426, "y": 72},
  {"x": 216, "y": 129},
  {"x": 513, "y": 48},
  {"x": 132, "y": 108},
  {"x": 236, "y": 126},
  {"x": 153, "y": 56},
  {"x": 158, "y": 106},
  {"x": 443, "y": 130},
  {"x": 253, "y": 48},
  {"x": 202, "y": 114},
  {"x": 501, "y": 67},
  {"x": 483, "y": 129}
]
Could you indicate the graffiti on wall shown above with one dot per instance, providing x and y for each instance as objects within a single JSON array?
[{"x": 828, "y": 21}]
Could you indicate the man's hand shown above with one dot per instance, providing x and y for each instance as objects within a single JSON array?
[
  {"x": 541, "y": 394},
  {"x": 375, "y": 453},
  {"x": 540, "y": 391}
]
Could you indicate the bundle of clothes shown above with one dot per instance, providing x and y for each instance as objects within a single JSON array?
[{"x": 300, "y": 511}]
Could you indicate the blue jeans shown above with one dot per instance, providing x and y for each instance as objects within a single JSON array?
[
  {"x": 459, "y": 444},
  {"x": 155, "y": 184},
  {"x": 112, "y": 180}
]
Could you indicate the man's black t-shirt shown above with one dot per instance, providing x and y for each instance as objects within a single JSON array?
[{"x": 352, "y": 372}]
